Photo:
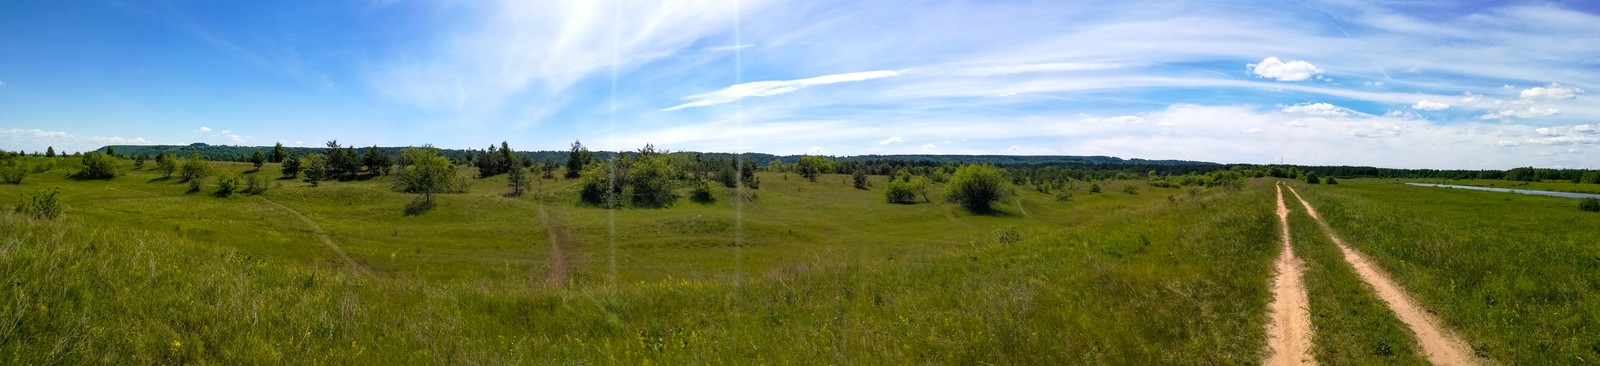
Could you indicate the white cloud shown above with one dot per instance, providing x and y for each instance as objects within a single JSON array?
[
  {"x": 34, "y": 133},
  {"x": 1114, "y": 120},
  {"x": 1318, "y": 109},
  {"x": 1273, "y": 68},
  {"x": 1373, "y": 83},
  {"x": 1553, "y": 91},
  {"x": 775, "y": 87},
  {"x": 1041, "y": 67},
  {"x": 1530, "y": 112},
  {"x": 1567, "y": 140},
  {"x": 1296, "y": 123},
  {"x": 728, "y": 47},
  {"x": 890, "y": 140},
  {"x": 1470, "y": 99},
  {"x": 204, "y": 129},
  {"x": 928, "y": 147},
  {"x": 1585, "y": 128},
  {"x": 1430, "y": 106},
  {"x": 1253, "y": 131},
  {"x": 1509, "y": 143},
  {"x": 816, "y": 150},
  {"x": 1377, "y": 130},
  {"x": 114, "y": 140}
]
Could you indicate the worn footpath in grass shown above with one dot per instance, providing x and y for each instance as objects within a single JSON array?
[
  {"x": 1516, "y": 275},
  {"x": 1353, "y": 326}
]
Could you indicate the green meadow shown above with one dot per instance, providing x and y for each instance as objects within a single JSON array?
[{"x": 140, "y": 270}]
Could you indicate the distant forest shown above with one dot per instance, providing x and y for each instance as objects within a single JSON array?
[{"x": 1091, "y": 167}]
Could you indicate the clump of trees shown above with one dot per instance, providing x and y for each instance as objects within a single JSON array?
[
  {"x": 194, "y": 169},
  {"x": 97, "y": 166},
  {"x": 904, "y": 188},
  {"x": 167, "y": 163},
  {"x": 227, "y": 183},
  {"x": 976, "y": 186},
  {"x": 648, "y": 179},
  {"x": 424, "y": 171},
  {"x": 314, "y": 167},
  {"x": 859, "y": 179},
  {"x": 291, "y": 167},
  {"x": 811, "y": 166}
]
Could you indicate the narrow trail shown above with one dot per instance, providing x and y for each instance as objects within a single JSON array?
[
  {"x": 557, "y": 276},
  {"x": 1289, "y": 315},
  {"x": 1023, "y": 210},
  {"x": 1440, "y": 346},
  {"x": 322, "y": 235}
]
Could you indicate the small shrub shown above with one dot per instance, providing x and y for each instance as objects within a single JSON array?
[
  {"x": 1094, "y": 188},
  {"x": 1007, "y": 235},
  {"x": 44, "y": 167},
  {"x": 12, "y": 172},
  {"x": 255, "y": 184},
  {"x": 227, "y": 183},
  {"x": 42, "y": 205},
  {"x": 1063, "y": 196},
  {"x": 859, "y": 178},
  {"x": 701, "y": 193},
  {"x": 1589, "y": 204},
  {"x": 1330, "y": 180},
  {"x": 1130, "y": 189},
  {"x": 1312, "y": 179}
]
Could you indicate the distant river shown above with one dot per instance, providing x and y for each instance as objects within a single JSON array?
[{"x": 1522, "y": 191}]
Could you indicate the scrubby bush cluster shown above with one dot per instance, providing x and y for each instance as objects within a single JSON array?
[
  {"x": 976, "y": 186},
  {"x": 12, "y": 171},
  {"x": 1589, "y": 204},
  {"x": 96, "y": 166},
  {"x": 41, "y": 205}
]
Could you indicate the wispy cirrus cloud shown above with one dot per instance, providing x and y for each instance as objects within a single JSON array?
[{"x": 770, "y": 88}]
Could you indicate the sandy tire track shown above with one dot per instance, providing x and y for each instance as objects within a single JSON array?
[
  {"x": 1289, "y": 316},
  {"x": 323, "y": 236},
  {"x": 1439, "y": 345}
]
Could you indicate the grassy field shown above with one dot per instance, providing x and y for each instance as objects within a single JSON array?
[
  {"x": 140, "y": 271},
  {"x": 1516, "y": 274}
]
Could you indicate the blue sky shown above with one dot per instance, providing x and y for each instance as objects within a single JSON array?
[{"x": 1420, "y": 84}]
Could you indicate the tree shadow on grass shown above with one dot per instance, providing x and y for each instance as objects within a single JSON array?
[
  {"x": 158, "y": 179},
  {"x": 419, "y": 206},
  {"x": 988, "y": 211}
]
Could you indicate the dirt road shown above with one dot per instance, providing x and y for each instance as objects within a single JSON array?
[
  {"x": 557, "y": 275},
  {"x": 1439, "y": 345},
  {"x": 1289, "y": 316}
]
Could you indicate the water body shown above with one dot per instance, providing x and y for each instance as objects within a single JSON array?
[{"x": 1522, "y": 191}]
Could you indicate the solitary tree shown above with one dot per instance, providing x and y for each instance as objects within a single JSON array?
[
  {"x": 97, "y": 166},
  {"x": 257, "y": 159},
  {"x": 859, "y": 178},
  {"x": 195, "y": 168},
  {"x": 167, "y": 163},
  {"x": 517, "y": 178},
  {"x": 277, "y": 154},
  {"x": 577, "y": 159},
  {"x": 315, "y": 167},
  {"x": 427, "y": 173},
  {"x": 50, "y": 151},
  {"x": 976, "y": 186}
]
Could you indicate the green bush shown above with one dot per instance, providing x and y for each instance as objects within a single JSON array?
[
  {"x": 1589, "y": 204},
  {"x": 1008, "y": 235},
  {"x": 42, "y": 205},
  {"x": 859, "y": 178},
  {"x": 227, "y": 183},
  {"x": 255, "y": 184},
  {"x": 1312, "y": 179},
  {"x": 12, "y": 172},
  {"x": 976, "y": 186},
  {"x": 1130, "y": 189},
  {"x": 97, "y": 166},
  {"x": 195, "y": 169},
  {"x": 1330, "y": 180},
  {"x": 900, "y": 192},
  {"x": 701, "y": 193}
]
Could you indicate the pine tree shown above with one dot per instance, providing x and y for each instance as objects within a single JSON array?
[
  {"x": 257, "y": 159},
  {"x": 50, "y": 151},
  {"x": 277, "y": 153}
]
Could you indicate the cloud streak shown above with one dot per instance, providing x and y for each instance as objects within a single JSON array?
[{"x": 771, "y": 88}]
